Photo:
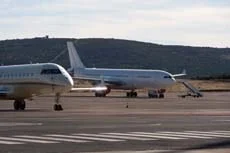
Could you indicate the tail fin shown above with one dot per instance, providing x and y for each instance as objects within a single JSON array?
[{"x": 75, "y": 61}]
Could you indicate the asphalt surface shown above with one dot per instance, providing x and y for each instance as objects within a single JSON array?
[{"x": 90, "y": 124}]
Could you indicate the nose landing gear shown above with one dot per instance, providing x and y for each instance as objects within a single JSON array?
[{"x": 57, "y": 106}]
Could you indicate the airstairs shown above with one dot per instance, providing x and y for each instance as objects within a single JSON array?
[{"x": 194, "y": 92}]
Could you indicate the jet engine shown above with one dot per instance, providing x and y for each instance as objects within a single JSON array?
[{"x": 102, "y": 93}]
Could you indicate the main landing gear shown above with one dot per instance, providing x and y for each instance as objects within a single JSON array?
[
  {"x": 57, "y": 106},
  {"x": 19, "y": 104},
  {"x": 156, "y": 93},
  {"x": 97, "y": 94},
  {"x": 131, "y": 94}
]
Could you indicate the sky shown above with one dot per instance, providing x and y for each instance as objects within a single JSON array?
[{"x": 168, "y": 22}]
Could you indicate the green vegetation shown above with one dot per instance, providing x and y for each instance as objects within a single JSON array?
[{"x": 114, "y": 53}]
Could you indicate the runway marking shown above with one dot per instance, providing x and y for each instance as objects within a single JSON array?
[
  {"x": 133, "y": 151},
  {"x": 19, "y": 124},
  {"x": 26, "y": 140},
  {"x": 118, "y": 137},
  {"x": 10, "y": 142},
  {"x": 183, "y": 134},
  {"x": 222, "y": 120},
  {"x": 214, "y": 134},
  {"x": 156, "y": 135},
  {"x": 112, "y": 137},
  {"x": 84, "y": 137},
  {"x": 223, "y": 132},
  {"x": 128, "y": 134},
  {"x": 52, "y": 138}
]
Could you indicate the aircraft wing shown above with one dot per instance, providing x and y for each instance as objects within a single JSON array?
[
  {"x": 102, "y": 80},
  {"x": 92, "y": 89}
]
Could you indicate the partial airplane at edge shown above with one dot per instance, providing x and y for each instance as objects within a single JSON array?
[
  {"x": 20, "y": 82},
  {"x": 128, "y": 79}
]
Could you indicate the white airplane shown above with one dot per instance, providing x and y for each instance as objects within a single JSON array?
[
  {"x": 20, "y": 82},
  {"x": 128, "y": 79}
]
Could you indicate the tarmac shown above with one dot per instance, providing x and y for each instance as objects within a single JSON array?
[{"x": 116, "y": 124}]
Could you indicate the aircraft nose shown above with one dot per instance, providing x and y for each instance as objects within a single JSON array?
[
  {"x": 70, "y": 81},
  {"x": 173, "y": 80}
]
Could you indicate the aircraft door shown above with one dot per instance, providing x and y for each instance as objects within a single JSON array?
[{"x": 133, "y": 81}]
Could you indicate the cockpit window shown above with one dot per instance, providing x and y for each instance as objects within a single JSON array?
[
  {"x": 50, "y": 71},
  {"x": 167, "y": 77}
]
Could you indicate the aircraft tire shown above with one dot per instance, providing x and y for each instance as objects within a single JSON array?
[
  {"x": 16, "y": 105},
  {"x": 55, "y": 107},
  {"x": 161, "y": 96},
  {"x": 131, "y": 94},
  {"x": 150, "y": 96},
  {"x": 22, "y": 105},
  {"x": 100, "y": 94},
  {"x": 58, "y": 107},
  {"x": 135, "y": 94}
]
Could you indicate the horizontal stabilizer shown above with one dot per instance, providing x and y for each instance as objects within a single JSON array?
[{"x": 181, "y": 74}]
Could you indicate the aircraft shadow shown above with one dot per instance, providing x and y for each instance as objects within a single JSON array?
[
  {"x": 21, "y": 111},
  {"x": 215, "y": 145},
  {"x": 111, "y": 97}
]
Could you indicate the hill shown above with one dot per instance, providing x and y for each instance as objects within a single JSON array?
[{"x": 115, "y": 53}]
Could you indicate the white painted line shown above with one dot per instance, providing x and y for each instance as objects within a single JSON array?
[
  {"x": 156, "y": 135},
  {"x": 19, "y": 124},
  {"x": 117, "y": 137},
  {"x": 214, "y": 134},
  {"x": 26, "y": 140},
  {"x": 51, "y": 138},
  {"x": 129, "y": 134},
  {"x": 184, "y": 134},
  {"x": 10, "y": 142},
  {"x": 157, "y": 124},
  {"x": 134, "y": 151},
  {"x": 223, "y": 132},
  {"x": 83, "y": 137},
  {"x": 222, "y": 120}
]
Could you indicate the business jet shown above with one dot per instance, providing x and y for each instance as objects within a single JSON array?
[
  {"x": 128, "y": 79},
  {"x": 20, "y": 82}
]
